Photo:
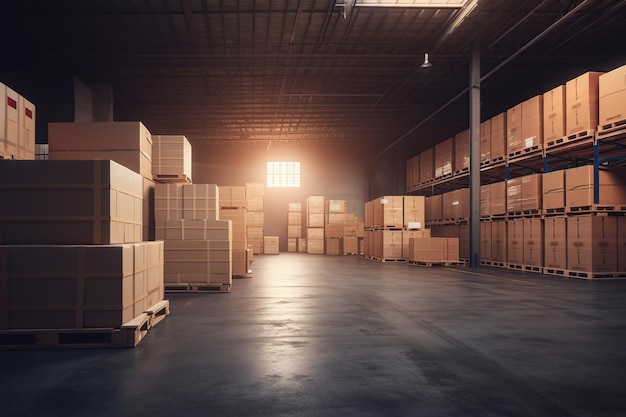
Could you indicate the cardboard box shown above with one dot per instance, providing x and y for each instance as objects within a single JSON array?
[
  {"x": 427, "y": 165},
  {"x": 255, "y": 218},
  {"x": 195, "y": 229},
  {"x": 315, "y": 220},
  {"x": 191, "y": 262},
  {"x": 333, "y": 246},
  {"x": 579, "y": 186},
  {"x": 254, "y": 189},
  {"x": 315, "y": 204},
  {"x": 553, "y": 116},
  {"x": 499, "y": 244},
  {"x": 592, "y": 243},
  {"x": 499, "y": 137},
  {"x": 186, "y": 201},
  {"x": 254, "y": 203},
  {"x": 387, "y": 211},
  {"x": 433, "y": 249},
  {"x": 294, "y": 218},
  {"x": 498, "y": 194},
  {"x": 553, "y": 189},
  {"x": 171, "y": 158},
  {"x": 444, "y": 157},
  {"x": 292, "y": 244},
  {"x": 302, "y": 245},
  {"x": 485, "y": 200},
  {"x": 515, "y": 239},
  {"x": 612, "y": 102},
  {"x": 271, "y": 245},
  {"x": 409, "y": 174},
  {"x": 514, "y": 195},
  {"x": 148, "y": 210},
  {"x": 414, "y": 177},
  {"x": 294, "y": 231},
  {"x": 533, "y": 242},
  {"x": 351, "y": 245},
  {"x": 407, "y": 235},
  {"x": 294, "y": 207},
  {"x": 315, "y": 246},
  {"x": 555, "y": 242},
  {"x": 582, "y": 103},
  {"x": 334, "y": 230},
  {"x": 485, "y": 241},
  {"x": 127, "y": 143},
  {"x": 78, "y": 286},
  {"x": 414, "y": 212},
  {"x": 239, "y": 228},
  {"x": 485, "y": 141},
  {"x": 69, "y": 202},
  {"x": 390, "y": 244},
  {"x": 315, "y": 233},
  {"x": 532, "y": 123},
  {"x": 456, "y": 204},
  {"x": 514, "y": 139},
  {"x": 532, "y": 192},
  {"x": 462, "y": 151},
  {"x": 433, "y": 207},
  {"x": 242, "y": 261},
  {"x": 336, "y": 206}
]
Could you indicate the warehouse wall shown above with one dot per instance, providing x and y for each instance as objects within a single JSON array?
[{"x": 334, "y": 171}]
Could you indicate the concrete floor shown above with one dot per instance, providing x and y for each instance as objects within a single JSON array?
[{"x": 319, "y": 336}]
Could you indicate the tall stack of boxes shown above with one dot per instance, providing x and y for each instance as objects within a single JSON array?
[
  {"x": 294, "y": 228},
  {"x": 17, "y": 125},
  {"x": 80, "y": 265},
  {"x": 335, "y": 212},
  {"x": 232, "y": 202},
  {"x": 255, "y": 216},
  {"x": 315, "y": 224}
]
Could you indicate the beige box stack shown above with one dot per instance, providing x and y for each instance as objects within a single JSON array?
[
  {"x": 71, "y": 255},
  {"x": 612, "y": 101},
  {"x": 198, "y": 247},
  {"x": 582, "y": 103},
  {"x": 335, "y": 212},
  {"x": 171, "y": 158},
  {"x": 17, "y": 125},
  {"x": 461, "y": 152},
  {"x": 427, "y": 165},
  {"x": 485, "y": 142},
  {"x": 433, "y": 250},
  {"x": 255, "y": 215},
  {"x": 315, "y": 224},
  {"x": 294, "y": 226},
  {"x": 232, "y": 202},
  {"x": 271, "y": 245},
  {"x": 499, "y": 137},
  {"x": 444, "y": 158},
  {"x": 554, "y": 117}
]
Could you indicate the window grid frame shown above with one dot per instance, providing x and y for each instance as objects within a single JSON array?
[{"x": 283, "y": 174}]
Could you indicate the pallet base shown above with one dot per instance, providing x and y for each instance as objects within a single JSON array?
[
  {"x": 596, "y": 208},
  {"x": 197, "y": 288},
  {"x": 435, "y": 263},
  {"x": 172, "y": 179},
  {"x": 374, "y": 258},
  {"x": 127, "y": 336},
  {"x": 494, "y": 264}
]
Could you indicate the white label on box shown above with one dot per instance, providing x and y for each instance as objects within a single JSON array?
[
  {"x": 455, "y": 203},
  {"x": 414, "y": 225},
  {"x": 383, "y": 201},
  {"x": 528, "y": 143}
]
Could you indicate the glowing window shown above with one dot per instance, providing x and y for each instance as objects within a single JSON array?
[{"x": 283, "y": 174}]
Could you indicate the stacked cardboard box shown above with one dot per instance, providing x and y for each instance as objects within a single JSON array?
[
  {"x": 232, "y": 202},
  {"x": 315, "y": 224},
  {"x": 554, "y": 116},
  {"x": 427, "y": 165},
  {"x": 79, "y": 265},
  {"x": 444, "y": 158},
  {"x": 198, "y": 246},
  {"x": 294, "y": 226},
  {"x": 462, "y": 151},
  {"x": 271, "y": 245},
  {"x": 582, "y": 97},
  {"x": 171, "y": 158},
  {"x": 498, "y": 137},
  {"x": 485, "y": 142},
  {"x": 433, "y": 250},
  {"x": 17, "y": 125},
  {"x": 612, "y": 107},
  {"x": 255, "y": 216}
]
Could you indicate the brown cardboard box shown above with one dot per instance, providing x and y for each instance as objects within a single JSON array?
[
  {"x": 195, "y": 229},
  {"x": 499, "y": 136},
  {"x": 533, "y": 242},
  {"x": 76, "y": 286},
  {"x": 254, "y": 189},
  {"x": 462, "y": 151},
  {"x": 350, "y": 245},
  {"x": 413, "y": 212},
  {"x": 456, "y": 204},
  {"x": 514, "y": 140},
  {"x": 239, "y": 227},
  {"x": 555, "y": 242},
  {"x": 315, "y": 233},
  {"x": 168, "y": 201},
  {"x": 69, "y": 202},
  {"x": 485, "y": 241},
  {"x": 515, "y": 239},
  {"x": 579, "y": 186},
  {"x": 532, "y": 192},
  {"x": 238, "y": 196},
  {"x": 255, "y": 218},
  {"x": 294, "y": 218},
  {"x": 407, "y": 235},
  {"x": 127, "y": 143},
  {"x": 612, "y": 103},
  {"x": 415, "y": 177},
  {"x": 294, "y": 231},
  {"x": 433, "y": 207},
  {"x": 335, "y": 218},
  {"x": 427, "y": 165},
  {"x": 485, "y": 141},
  {"x": 315, "y": 246},
  {"x": 302, "y": 245},
  {"x": 498, "y": 193},
  {"x": 463, "y": 234},
  {"x": 333, "y": 246},
  {"x": 592, "y": 243},
  {"x": 444, "y": 157},
  {"x": 294, "y": 207},
  {"x": 292, "y": 244},
  {"x": 171, "y": 158},
  {"x": 315, "y": 220},
  {"x": 186, "y": 201},
  {"x": 388, "y": 211},
  {"x": 148, "y": 210},
  {"x": 271, "y": 245},
  {"x": 391, "y": 241},
  {"x": 334, "y": 230},
  {"x": 499, "y": 241},
  {"x": 532, "y": 123},
  {"x": 582, "y": 97},
  {"x": 433, "y": 249},
  {"x": 315, "y": 204},
  {"x": 553, "y": 116},
  {"x": 254, "y": 203},
  {"x": 409, "y": 174},
  {"x": 3, "y": 122},
  {"x": 553, "y": 189},
  {"x": 336, "y": 206},
  {"x": 189, "y": 262},
  {"x": 514, "y": 195},
  {"x": 241, "y": 263},
  {"x": 485, "y": 200}
]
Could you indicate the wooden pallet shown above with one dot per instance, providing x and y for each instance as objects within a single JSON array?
[
  {"x": 581, "y": 137},
  {"x": 524, "y": 153},
  {"x": 377, "y": 259},
  {"x": 494, "y": 264},
  {"x": 461, "y": 171},
  {"x": 555, "y": 271},
  {"x": 172, "y": 179},
  {"x": 243, "y": 276},
  {"x": 127, "y": 336},
  {"x": 611, "y": 130},
  {"x": 519, "y": 267},
  {"x": 596, "y": 209},
  {"x": 197, "y": 288},
  {"x": 595, "y": 275},
  {"x": 434, "y": 263},
  {"x": 560, "y": 211},
  {"x": 533, "y": 268}
]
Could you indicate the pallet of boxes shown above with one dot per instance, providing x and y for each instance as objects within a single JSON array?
[
  {"x": 75, "y": 270},
  {"x": 247, "y": 239}
]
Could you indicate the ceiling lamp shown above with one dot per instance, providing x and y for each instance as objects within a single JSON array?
[{"x": 426, "y": 63}]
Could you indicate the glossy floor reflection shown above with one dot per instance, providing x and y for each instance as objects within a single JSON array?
[{"x": 319, "y": 336}]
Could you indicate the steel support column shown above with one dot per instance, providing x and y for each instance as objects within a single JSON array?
[{"x": 474, "y": 173}]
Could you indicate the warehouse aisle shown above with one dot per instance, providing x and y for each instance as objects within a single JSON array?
[{"x": 344, "y": 336}]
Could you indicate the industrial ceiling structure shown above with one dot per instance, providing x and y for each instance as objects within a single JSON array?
[{"x": 324, "y": 71}]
